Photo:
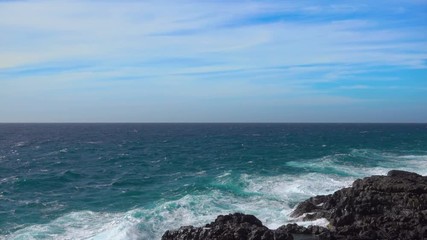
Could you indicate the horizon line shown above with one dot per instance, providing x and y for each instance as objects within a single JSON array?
[{"x": 231, "y": 122}]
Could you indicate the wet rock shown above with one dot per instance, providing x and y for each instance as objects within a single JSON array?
[
  {"x": 377, "y": 207},
  {"x": 235, "y": 226}
]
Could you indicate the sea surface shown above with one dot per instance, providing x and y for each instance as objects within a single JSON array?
[{"x": 134, "y": 181}]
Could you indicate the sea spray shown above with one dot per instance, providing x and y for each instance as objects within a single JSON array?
[{"x": 116, "y": 183}]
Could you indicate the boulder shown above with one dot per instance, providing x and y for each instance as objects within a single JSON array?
[
  {"x": 235, "y": 226},
  {"x": 376, "y": 207}
]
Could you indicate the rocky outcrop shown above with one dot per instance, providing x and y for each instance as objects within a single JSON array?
[
  {"x": 377, "y": 207},
  {"x": 236, "y": 226},
  {"x": 240, "y": 226}
]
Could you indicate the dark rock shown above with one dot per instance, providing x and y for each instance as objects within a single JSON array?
[
  {"x": 310, "y": 232},
  {"x": 235, "y": 226},
  {"x": 377, "y": 207}
]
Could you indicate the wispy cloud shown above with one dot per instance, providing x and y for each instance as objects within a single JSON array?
[
  {"x": 196, "y": 50},
  {"x": 356, "y": 87}
]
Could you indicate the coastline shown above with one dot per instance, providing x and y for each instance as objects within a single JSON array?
[
  {"x": 377, "y": 207},
  {"x": 137, "y": 181}
]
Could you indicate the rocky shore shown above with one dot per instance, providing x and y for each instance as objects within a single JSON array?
[{"x": 376, "y": 207}]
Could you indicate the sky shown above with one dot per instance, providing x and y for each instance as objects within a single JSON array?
[{"x": 213, "y": 61}]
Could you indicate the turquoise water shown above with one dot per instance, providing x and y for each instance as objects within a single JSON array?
[{"x": 134, "y": 181}]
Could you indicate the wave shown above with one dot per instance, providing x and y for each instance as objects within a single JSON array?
[
  {"x": 270, "y": 198},
  {"x": 80, "y": 225},
  {"x": 363, "y": 162},
  {"x": 20, "y": 144}
]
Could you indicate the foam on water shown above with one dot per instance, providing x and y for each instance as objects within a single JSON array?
[
  {"x": 323, "y": 222},
  {"x": 270, "y": 202},
  {"x": 20, "y": 144},
  {"x": 9, "y": 179},
  {"x": 414, "y": 163},
  {"x": 270, "y": 198},
  {"x": 81, "y": 225},
  {"x": 344, "y": 164}
]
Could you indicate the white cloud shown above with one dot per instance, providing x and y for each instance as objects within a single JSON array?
[
  {"x": 42, "y": 31},
  {"x": 245, "y": 49}
]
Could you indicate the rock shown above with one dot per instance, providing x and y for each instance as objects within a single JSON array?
[
  {"x": 377, "y": 207},
  {"x": 239, "y": 226},
  {"x": 235, "y": 226}
]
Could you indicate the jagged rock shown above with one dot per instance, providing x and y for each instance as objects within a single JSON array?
[
  {"x": 310, "y": 232},
  {"x": 377, "y": 207},
  {"x": 239, "y": 226},
  {"x": 235, "y": 226}
]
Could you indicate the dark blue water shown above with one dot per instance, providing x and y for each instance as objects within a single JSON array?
[{"x": 134, "y": 181}]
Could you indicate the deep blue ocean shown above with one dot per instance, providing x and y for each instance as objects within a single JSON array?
[{"x": 134, "y": 181}]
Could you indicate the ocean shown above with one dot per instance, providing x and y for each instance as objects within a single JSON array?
[{"x": 135, "y": 181}]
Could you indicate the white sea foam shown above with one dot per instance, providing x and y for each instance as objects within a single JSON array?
[
  {"x": 280, "y": 194},
  {"x": 64, "y": 150},
  {"x": 11, "y": 179},
  {"x": 20, "y": 144},
  {"x": 384, "y": 161},
  {"x": 413, "y": 163},
  {"x": 270, "y": 198},
  {"x": 81, "y": 225},
  {"x": 225, "y": 174},
  {"x": 323, "y": 222}
]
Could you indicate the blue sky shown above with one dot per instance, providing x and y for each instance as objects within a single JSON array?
[{"x": 213, "y": 61}]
